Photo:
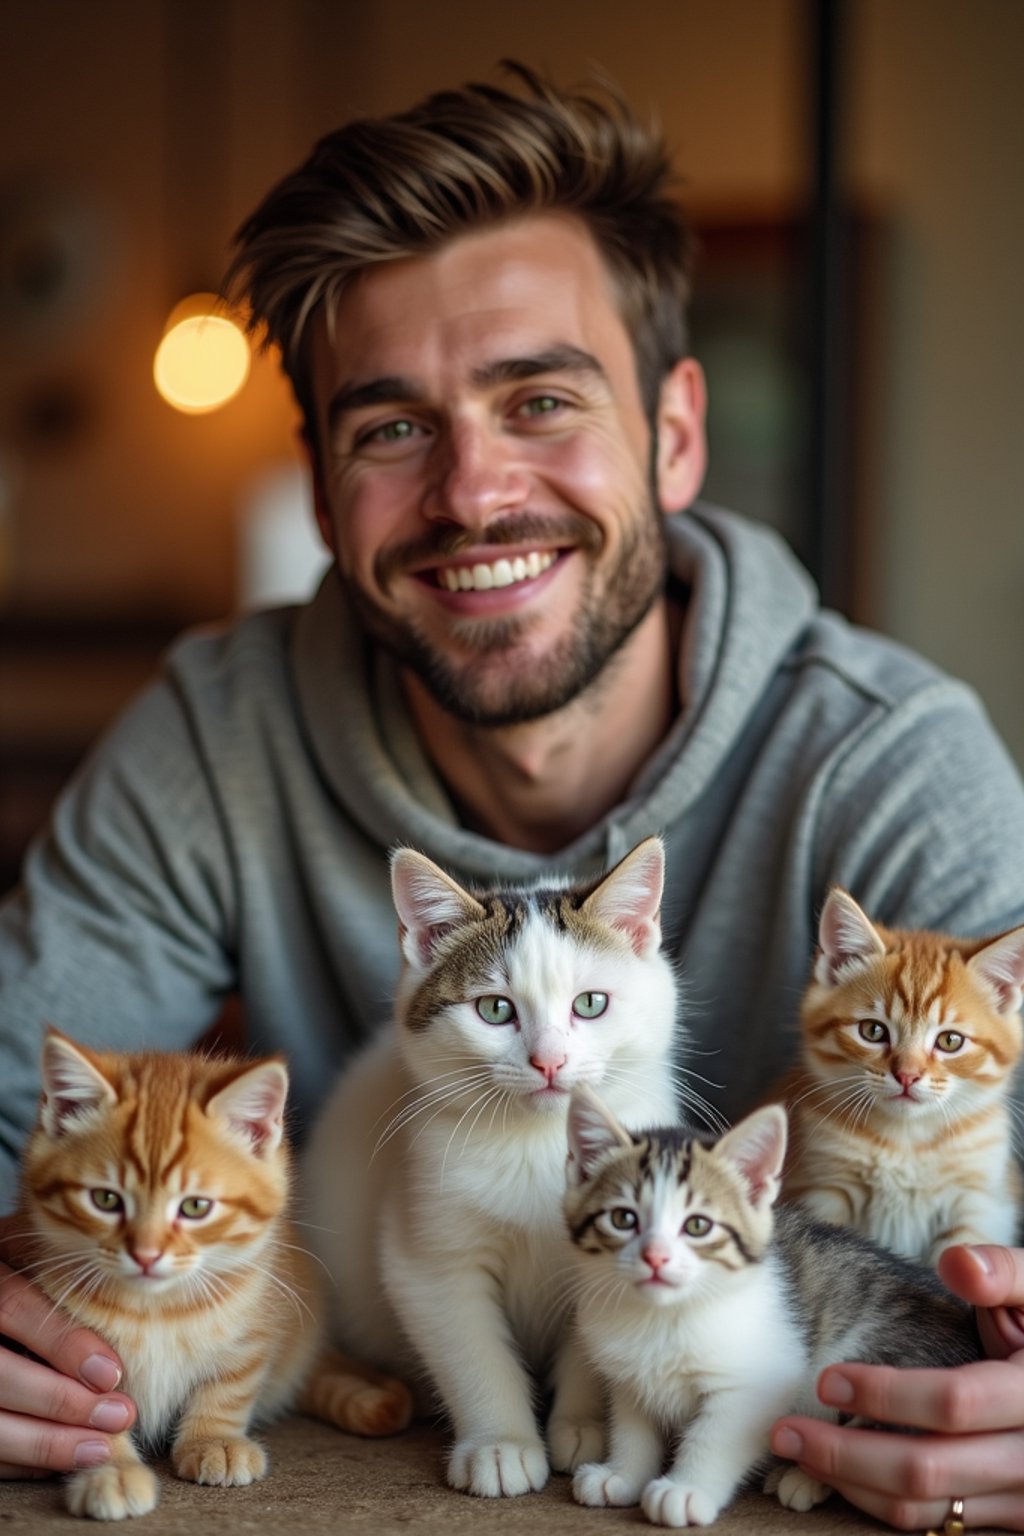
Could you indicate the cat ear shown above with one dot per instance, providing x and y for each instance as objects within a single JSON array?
[
  {"x": 429, "y": 904},
  {"x": 73, "y": 1086},
  {"x": 629, "y": 896},
  {"x": 846, "y": 937},
  {"x": 1000, "y": 969},
  {"x": 593, "y": 1130},
  {"x": 252, "y": 1104},
  {"x": 757, "y": 1147}
]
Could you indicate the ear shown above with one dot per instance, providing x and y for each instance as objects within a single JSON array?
[
  {"x": 252, "y": 1104},
  {"x": 1000, "y": 969},
  {"x": 757, "y": 1147},
  {"x": 593, "y": 1131},
  {"x": 73, "y": 1085},
  {"x": 846, "y": 938},
  {"x": 629, "y": 898},
  {"x": 429, "y": 904},
  {"x": 321, "y": 507},
  {"x": 681, "y": 450}
]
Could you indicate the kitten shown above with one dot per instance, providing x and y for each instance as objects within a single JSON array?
[
  {"x": 901, "y": 1110},
  {"x": 152, "y": 1210},
  {"x": 709, "y": 1315},
  {"x": 438, "y": 1165}
]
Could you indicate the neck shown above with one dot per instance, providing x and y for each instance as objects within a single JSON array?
[{"x": 541, "y": 784}]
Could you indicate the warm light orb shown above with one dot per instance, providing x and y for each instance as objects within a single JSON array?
[{"x": 203, "y": 360}]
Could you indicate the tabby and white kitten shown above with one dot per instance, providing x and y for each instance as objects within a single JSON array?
[
  {"x": 438, "y": 1166},
  {"x": 900, "y": 1110},
  {"x": 152, "y": 1210},
  {"x": 709, "y": 1315}
]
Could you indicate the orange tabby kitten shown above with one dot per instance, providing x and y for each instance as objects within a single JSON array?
[
  {"x": 152, "y": 1210},
  {"x": 901, "y": 1113}
]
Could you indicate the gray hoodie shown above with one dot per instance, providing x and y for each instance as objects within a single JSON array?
[{"x": 231, "y": 831}]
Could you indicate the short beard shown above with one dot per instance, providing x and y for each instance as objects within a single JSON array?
[{"x": 526, "y": 690}]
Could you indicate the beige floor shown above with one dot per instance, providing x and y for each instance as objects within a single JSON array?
[{"x": 321, "y": 1480}]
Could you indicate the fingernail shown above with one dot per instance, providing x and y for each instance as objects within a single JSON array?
[
  {"x": 110, "y": 1417},
  {"x": 836, "y": 1389},
  {"x": 981, "y": 1258},
  {"x": 786, "y": 1442},
  {"x": 91, "y": 1453},
  {"x": 100, "y": 1372}
]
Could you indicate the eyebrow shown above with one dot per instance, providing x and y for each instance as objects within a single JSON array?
[{"x": 393, "y": 389}]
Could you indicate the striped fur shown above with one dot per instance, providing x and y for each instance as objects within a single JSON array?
[
  {"x": 445, "y": 1238},
  {"x": 901, "y": 1107},
  {"x": 153, "y": 1210},
  {"x": 709, "y": 1313}
]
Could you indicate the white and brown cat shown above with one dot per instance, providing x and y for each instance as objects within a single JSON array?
[
  {"x": 901, "y": 1109},
  {"x": 153, "y": 1209},
  {"x": 438, "y": 1165}
]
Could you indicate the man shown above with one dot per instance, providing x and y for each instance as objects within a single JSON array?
[{"x": 524, "y": 662}]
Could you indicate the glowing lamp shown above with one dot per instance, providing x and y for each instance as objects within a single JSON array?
[{"x": 203, "y": 359}]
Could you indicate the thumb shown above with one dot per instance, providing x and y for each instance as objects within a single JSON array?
[{"x": 992, "y": 1279}]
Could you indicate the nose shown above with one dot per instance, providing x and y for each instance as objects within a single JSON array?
[
  {"x": 478, "y": 476},
  {"x": 907, "y": 1079},
  {"x": 656, "y": 1255},
  {"x": 548, "y": 1065},
  {"x": 145, "y": 1258}
]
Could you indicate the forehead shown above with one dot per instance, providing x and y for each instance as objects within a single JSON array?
[{"x": 517, "y": 290}]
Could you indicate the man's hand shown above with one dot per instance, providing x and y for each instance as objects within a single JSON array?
[
  {"x": 57, "y": 1416},
  {"x": 973, "y": 1416}
]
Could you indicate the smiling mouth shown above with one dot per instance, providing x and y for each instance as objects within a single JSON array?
[{"x": 504, "y": 572}]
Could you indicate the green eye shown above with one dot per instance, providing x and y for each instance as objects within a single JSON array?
[
  {"x": 541, "y": 405},
  {"x": 496, "y": 1010},
  {"x": 590, "y": 1005},
  {"x": 194, "y": 1207},
  {"x": 697, "y": 1226},
  {"x": 950, "y": 1040},
  {"x": 623, "y": 1219},
  {"x": 872, "y": 1031},
  {"x": 106, "y": 1200}
]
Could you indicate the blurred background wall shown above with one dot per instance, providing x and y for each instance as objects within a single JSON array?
[{"x": 136, "y": 134}]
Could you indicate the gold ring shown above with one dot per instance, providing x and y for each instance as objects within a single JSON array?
[{"x": 954, "y": 1525}]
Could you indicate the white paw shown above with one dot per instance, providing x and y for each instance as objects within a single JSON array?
[
  {"x": 795, "y": 1490},
  {"x": 498, "y": 1470},
  {"x": 225, "y": 1463},
  {"x": 112, "y": 1492},
  {"x": 598, "y": 1484},
  {"x": 571, "y": 1444},
  {"x": 669, "y": 1503}
]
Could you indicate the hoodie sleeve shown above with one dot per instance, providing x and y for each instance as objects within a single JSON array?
[{"x": 121, "y": 933}]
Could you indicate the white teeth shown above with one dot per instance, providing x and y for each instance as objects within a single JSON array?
[{"x": 500, "y": 573}]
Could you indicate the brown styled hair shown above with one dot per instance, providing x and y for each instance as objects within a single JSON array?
[{"x": 380, "y": 189}]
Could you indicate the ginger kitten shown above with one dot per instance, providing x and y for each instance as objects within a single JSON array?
[
  {"x": 900, "y": 1111},
  {"x": 153, "y": 1210}
]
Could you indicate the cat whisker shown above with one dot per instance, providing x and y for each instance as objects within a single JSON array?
[
  {"x": 436, "y": 1099},
  {"x": 482, "y": 1101}
]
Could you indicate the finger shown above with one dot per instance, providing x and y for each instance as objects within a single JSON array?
[
  {"x": 918, "y": 1468},
  {"x": 31, "y": 1318},
  {"x": 984, "y": 1274},
  {"x": 31, "y": 1388},
  {"x": 988, "y": 1394},
  {"x": 1004, "y": 1511},
  {"x": 33, "y": 1443}
]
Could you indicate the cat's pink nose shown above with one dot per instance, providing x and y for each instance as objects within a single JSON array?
[
  {"x": 145, "y": 1258},
  {"x": 548, "y": 1066},
  {"x": 907, "y": 1080},
  {"x": 655, "y": 1255}
]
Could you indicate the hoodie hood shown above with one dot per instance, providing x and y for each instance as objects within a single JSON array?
[{"x": 748, "y": 602}]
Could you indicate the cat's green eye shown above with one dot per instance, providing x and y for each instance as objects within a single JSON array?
[
  {"x": 950, "y": 1040},
  {"x": 194, "y": 1207},
  {"x": 697, "y": 1226},
  {"x": 590, "y": 1005},
  {"x": 623, "y": 1219},
  {"x": 106, "y": 1200},
  {"x": 872, "y": 1031},
  {"x": 496, "y": 1010}
]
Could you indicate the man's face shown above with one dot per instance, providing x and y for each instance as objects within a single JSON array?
[{"x": 484, "y": 467}]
